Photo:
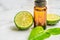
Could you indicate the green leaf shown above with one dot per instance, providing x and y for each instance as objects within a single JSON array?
[
  {"x": 38, "y": 33},
  {"x": 42, "y": 36},
  {"x": 54, "y": 31},
  {"x": 35, "y": 31}
]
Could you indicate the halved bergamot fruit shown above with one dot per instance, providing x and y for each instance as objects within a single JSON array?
[
  {"x": 23, "y": 20},
  {"x": 52, "y": 19}
]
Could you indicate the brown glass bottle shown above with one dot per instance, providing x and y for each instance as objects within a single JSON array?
[{"x": 40, "y": 11}]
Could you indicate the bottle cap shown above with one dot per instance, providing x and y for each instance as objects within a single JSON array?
[
  {"x": 40, "y": 0},
  {"x": 40, "y": 4}
]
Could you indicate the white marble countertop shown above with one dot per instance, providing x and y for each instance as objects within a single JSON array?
[{"x": 9, "y": 8}]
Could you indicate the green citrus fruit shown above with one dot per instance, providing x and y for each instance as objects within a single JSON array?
[
  {"x": 23, "y": 20},
  {"x": 52, "y": 19}
]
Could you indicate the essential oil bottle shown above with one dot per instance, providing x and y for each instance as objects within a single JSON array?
[{"x": 40, "y": 11}]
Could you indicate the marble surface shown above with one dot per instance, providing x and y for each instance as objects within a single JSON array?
[{"x": 9, "y": 8}]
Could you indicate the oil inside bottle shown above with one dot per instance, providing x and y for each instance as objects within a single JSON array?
[{"x": 40, "y": 16}]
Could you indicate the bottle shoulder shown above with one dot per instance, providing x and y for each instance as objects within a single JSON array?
[{"x": 40, "y": 8}]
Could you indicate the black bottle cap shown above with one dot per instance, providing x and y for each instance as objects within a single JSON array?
[
  {"x": 40, "y": 3},
  {"x": 40, "y": 0}
]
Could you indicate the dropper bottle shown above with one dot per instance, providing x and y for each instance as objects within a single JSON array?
[{"x": 40, "y": 11}]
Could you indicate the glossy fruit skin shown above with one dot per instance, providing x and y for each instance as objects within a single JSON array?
[
  {"x": 23, "y": 28},
  {"x": 52, "y": 22}
]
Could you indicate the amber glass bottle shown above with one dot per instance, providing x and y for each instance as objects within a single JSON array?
[{"x": 40, "y": 11}]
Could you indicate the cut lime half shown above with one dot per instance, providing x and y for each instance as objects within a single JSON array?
[
  {"x": 23, "y": 20},
  {"x": 52, "y": 19}
]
